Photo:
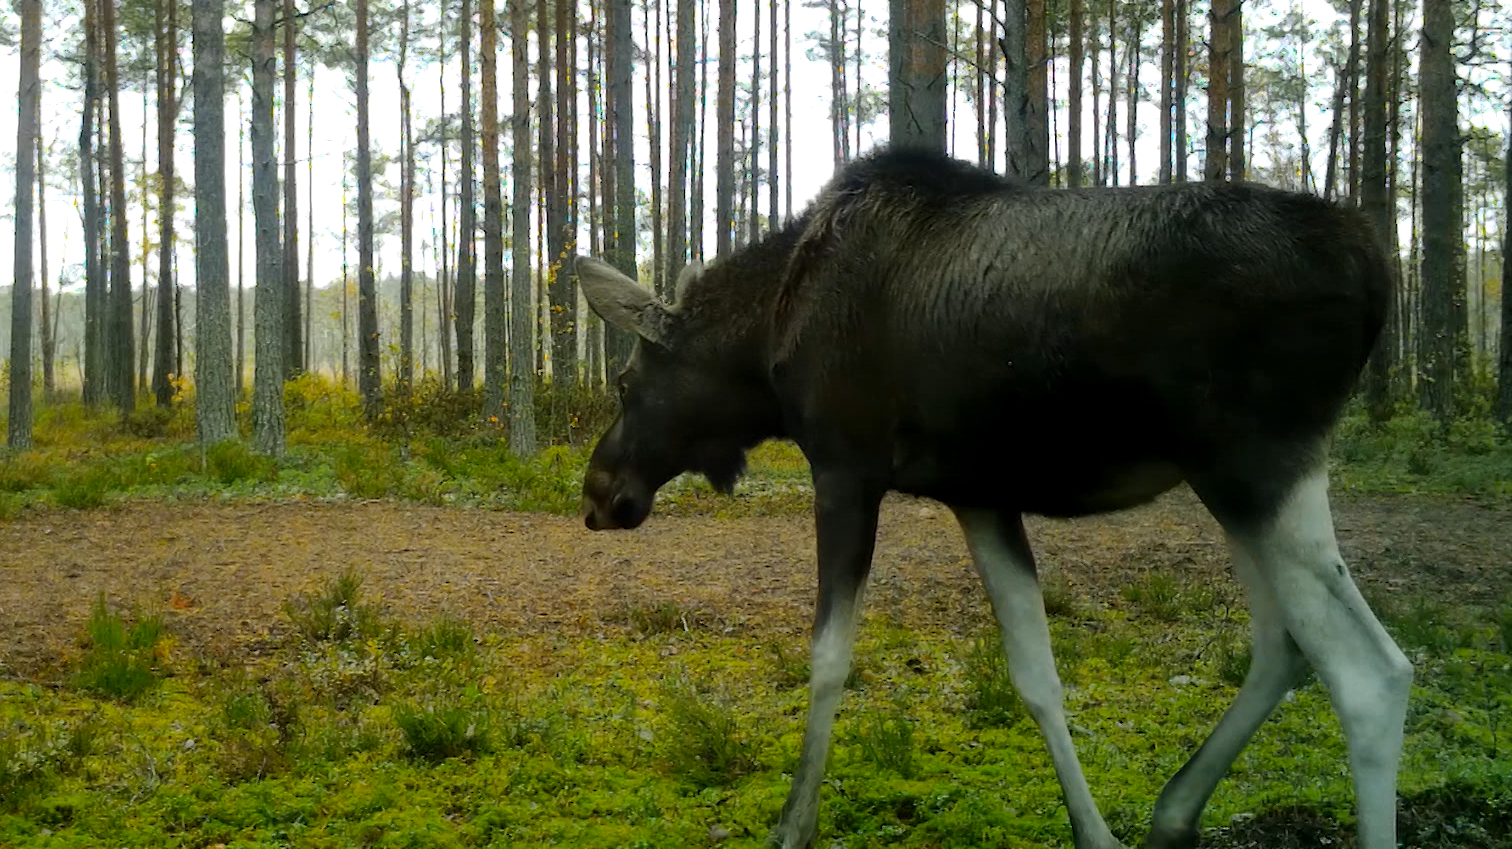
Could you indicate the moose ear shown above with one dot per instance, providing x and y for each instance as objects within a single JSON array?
[
  {"x": 620, "y": 301},
  {"x": 688, "y": 274}
]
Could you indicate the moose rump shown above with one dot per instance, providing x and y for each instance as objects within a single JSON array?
[{"x": 929, "y": 327}]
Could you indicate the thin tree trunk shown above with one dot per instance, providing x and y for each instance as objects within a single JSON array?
[
  {"x": 272, "y": 344},
  {"x": 1183, "y": 76},
  {"x": 564, "y": 292},
  {"x": 241, "y": 264},
  {"x": 1037, "y": 116},
  {"x": 992, "y": 84},
  {"x": 1504, "y": 361},
  {"x": 839, "y": 140},
  {"x": 49, "y": 334},
  {"x": 444, "y": 307},
  {"x": 753, "y": 151},
  {"x": 19, "y": 423},
  {"x": 774, "y": 214},
  {"x": 618, "y": 344},
  {"x": 1099, "y": 166},
  {"x": 1354, "y": 102},
  {"x": 1074, "y": 119},
  {"x": 1237, "y": 156},
  {"x": 700, "y": 141},
  {"x": 1377, "y": 204},
  {"x": 406, "y": 216},
  {"x": 1215, "y": 163},
  {"x": 94, "y": 272},
  {"x": 167, "y": 62},
  {"x": 683, "y": 111},
  {"x": 549, "y": 192},
  {"x": 1442, "y": 335},
  {"x": 1136, "y": 36},
  {"x": 467, "y": 272},
  {"x": 122, "y": 345},
  {"x": 346, "y": 285},
  {"x": 495, "y": 319},
  {"x": 1167, "y": 88},
  {"x": 724, "y": 167},
  {"x": 1331, "y": 170},
  {"x": 145, "y": 314},
  {"x": 595, "y": 336},
  {"x": 309, "y": 287},
  {"x": 369, "y": 368},
  {"x": 659, "y": 282},
  {"x": 294, "y": 353},
  {"x": 215, "y": 406},
  {"x": 787, "y": 103},
  {"x": 521, "y": 408},
  {"x": 1110, "y": 144}
]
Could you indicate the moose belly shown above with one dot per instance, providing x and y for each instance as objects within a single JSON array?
[{"x": 1056, "y": 484}]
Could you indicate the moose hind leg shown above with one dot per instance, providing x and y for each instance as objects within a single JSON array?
[
  {"x": 1367, "y": 676},
  {"x": 1275, "y": 665},
  {"x": 1001, "y": 553}
]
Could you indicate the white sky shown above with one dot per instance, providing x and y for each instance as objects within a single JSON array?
[{"x": 335, "y": 133}]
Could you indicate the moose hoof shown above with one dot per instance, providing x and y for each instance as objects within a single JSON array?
[{"x": 1171, "y": 837}]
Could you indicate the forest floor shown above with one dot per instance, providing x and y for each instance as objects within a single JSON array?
[
  {"x": 578, "y": 650},
  {"x": 223, "y": 571}
]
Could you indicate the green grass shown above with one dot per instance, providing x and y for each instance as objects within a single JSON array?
[
  {"x": 632, "y": 739},
  {"x": 120, "y": 660}
]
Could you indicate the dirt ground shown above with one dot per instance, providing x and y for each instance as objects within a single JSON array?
[{"x": 222, "y": 572}]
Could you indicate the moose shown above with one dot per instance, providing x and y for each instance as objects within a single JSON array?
[{"x": 932, "y": 328}]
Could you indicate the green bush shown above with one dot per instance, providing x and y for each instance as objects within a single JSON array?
[
  {"x": 232, "y": 461},
  {"x": 335, "y": 614},
  {"x": 704, "y": 743},
  {"x": 445, "y": 728},
  {"x": 24, "y": 471}
]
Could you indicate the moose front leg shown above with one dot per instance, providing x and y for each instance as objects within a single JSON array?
[{"x": 845, "y": 517}]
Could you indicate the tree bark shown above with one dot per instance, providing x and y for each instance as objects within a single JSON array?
[
  {"x": 563, "y": 292},
  {"x": 1037, "y": 117},
  {"x": 1110, "y": 144},
  {"x": 94, "y": 273},
  {"x": 121, "y": 345},
  {"x": 1442, "y": 276},
  {"x": 1077, "y": 57},
  {"x": 1236, "y": 159},
  {"x": 406, "y": 217},
  {"x": 1504, "y": 365},
  {"x": 49, "y": 337},
  {"x": 787, "y": 103},
  {"x": 1215, "y": 164},
  {"x": 1183, "y": 75},
  {"x": 683, "y": 112},
  {"x": 917, "y": 40},
  {"x": 753, "y": 151},
  {"x": 167, "y": 62},
  {"x": 1136, "y": 36},
  {"x": 467, "y": 271},
  {"x": 1167, "y": 88},
  {"x": 495, "y": 318},
  {"x": 309, "y": 284},
  {"x": 444, "y": 295},
  {"x": 215, "y": 406},
  {"x": 521, "y": 408},
  {"x": 724, "y": 167},
  {"x": 617, "y": 343},
  {"x": 1377, "y": 204},
  {"x": 1354, "y": 102},
  {"x": 369, "y": 368},
  {"x": 241, "y": 265},
  {"x": 294, "y": 351},
  {"x": 774, "y": 215},
  {"x": 271, "y": 343},
  {"x": 19, "y": 423},
  {"x": 653, "y": 142}
]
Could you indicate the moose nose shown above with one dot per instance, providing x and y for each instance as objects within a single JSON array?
[{"x": 591, "y": 520}]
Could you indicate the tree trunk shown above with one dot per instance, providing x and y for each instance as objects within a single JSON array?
[
  {"x": 495, "y": 318},
  {"x": 617, "y": 343},
  {"x": 564, "y": 291},
  {"x": 1167, "y": 88},
  {"x": 1377, "y": 204},
  {"x": 916, "y": 84},
  {"x": 1110, "y": 144},
  {"x": 1136, "y": 36},
  {"x": 1443, "y": 278},
  {"x": 346, "y": 285},
  {"x": 683, "y": 111},
  {"x": 521, "y": 408},
  {"x": 19, "y": 423},
  {"x": 753, "y": 151},
  {"x": 1077, "y": 22},
  {"x": 49, "y": 337},
  {"x": 840, "y": 141},
  {"x": 1354, "y": 102},
  {"x": 165, "y": 13},
  {"x": 309, "y": 284},
  {"x": 1037, "y": 116},
  {"x": 1215, "y": 165},
  {"x": 94, "y": 273},
  {"x": 595, "y": 330},
  {"x": 406, "y": 217},
  {"x": 653, "y": 142},
  {"x": 547, "y": 172},
  {"x": 121, "y": 345},
  {"x": 1099, "y": 178},
  {"x": 1504, "y": 366},
  {"x": 294, "y": 352},
  {"x": 1236, "y": 160},
  {"x": 724, "y": 167},
  {"x": 241, "y": 218},
  {"x": 272, "y": 344},
  {"x": 145, "y": 314},
  {"x": 444, "y": 306},
  {"x": 369, "y": 368},
  {"x": 700, "y": 142},
  {"x": 1183, "y": 76},
  {"x": 774, "y": 215},
  {"x": 215, "y": 406},
  {"x": 787, "y": 103},
  {"x": 1331, "y": 170},
  {"x": 467, "y": 270}
]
